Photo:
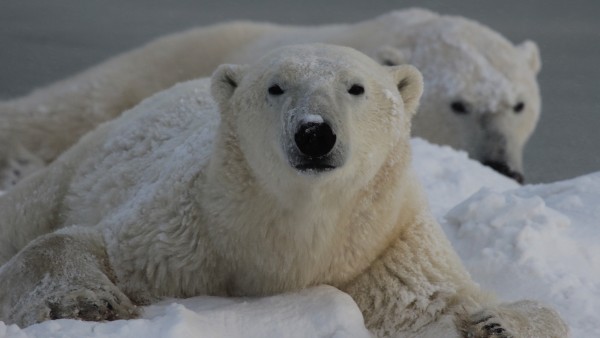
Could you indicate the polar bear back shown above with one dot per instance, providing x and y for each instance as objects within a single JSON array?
[{"x": 163, "y": 142}]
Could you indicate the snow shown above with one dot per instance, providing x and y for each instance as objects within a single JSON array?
[
  {"x": 318, "y": 312},
  {"x": 533, "y": 241},
  {"x": 540, "y": 242}
]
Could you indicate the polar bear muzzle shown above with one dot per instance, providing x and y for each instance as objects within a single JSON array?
[
  {"x": 315, "y": 142},
  {"x": 315, "y": 139},
  {"x": 505, "y": 170}
]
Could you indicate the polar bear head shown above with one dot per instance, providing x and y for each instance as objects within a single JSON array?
[
  {"x": 481, "y": 93},
  {"x": 315, "y": 114}
]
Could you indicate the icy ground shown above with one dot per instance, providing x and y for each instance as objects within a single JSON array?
[{"x": 535, "y": 241}]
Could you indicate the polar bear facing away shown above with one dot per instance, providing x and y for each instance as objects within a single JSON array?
[
  {"x": 481, "y": 93},
  {"x": 297, "y": 174}
]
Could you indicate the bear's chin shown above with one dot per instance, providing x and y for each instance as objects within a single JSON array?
[{"x": 311, "y": 168}]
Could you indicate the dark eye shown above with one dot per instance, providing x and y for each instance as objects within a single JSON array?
[
  {"x": 388, "y": 63},
  {"x": 519, "y": 107},
  {"x": 275, "y": 90},
  {"x": 459, "y": 107},
  {"x": 356, "y": 90}
]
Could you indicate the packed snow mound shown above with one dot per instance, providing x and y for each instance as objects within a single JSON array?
[
  {"x": 539, "y": 242},
  {"x": 534, "y": 241},
  {"x": 321, "y": 311},
  {"x": 449, "y": 176}
]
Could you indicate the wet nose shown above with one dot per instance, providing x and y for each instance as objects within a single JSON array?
[
  {"x": 315, "y": 139},
  {"x": 505, "y": 170}
]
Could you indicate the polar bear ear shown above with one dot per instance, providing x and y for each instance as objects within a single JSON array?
[
  {"x": 225, "y": 80},
  {"x": 391, "y": 56},
  {"x": 410, "y": 85},
  {"x": 530, "y": 51}
]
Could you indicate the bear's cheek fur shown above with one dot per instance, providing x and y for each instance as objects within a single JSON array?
[
  {"x": 258, "y": 135},
  {"x": 382, "y": 128}
]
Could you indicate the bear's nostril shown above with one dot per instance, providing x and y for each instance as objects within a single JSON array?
[{"x": 315, "y": 139}]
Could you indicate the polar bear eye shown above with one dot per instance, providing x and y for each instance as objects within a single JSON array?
[
  {"x": 519, "y": 107},
  {"x": 275, "y": 90},
  {"x": 459, "y": 107},
  {"x": 356, "y": 89}
]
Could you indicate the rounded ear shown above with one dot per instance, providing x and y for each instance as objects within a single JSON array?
[
  {"x": 391, "y": 56},
  {"x": 225, "y": 80},
  {"x": 409, "y": 82},
  {"x": 530, "y": 51}
]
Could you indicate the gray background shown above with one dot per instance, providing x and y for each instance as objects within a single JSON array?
[{"x": 44, "y": 41}]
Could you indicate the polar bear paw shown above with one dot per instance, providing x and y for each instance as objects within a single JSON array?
[
  {"x": 524, "y": 318},
  {"x": 104, "y": 303},
  {"x": 484, "y": 325},
  {"x": 92, "y": 305},
  {"x": 15, "y": 164}
]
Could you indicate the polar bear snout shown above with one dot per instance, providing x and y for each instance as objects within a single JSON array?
[
  {"x": 505, "y": 170},
  {"x": 315, "y": 142},
  {"x": 315, "y": 139}
]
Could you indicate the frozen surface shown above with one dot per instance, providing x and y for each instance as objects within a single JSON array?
[
  {"x": 318, "y": 312},
  {"x": 449, "y": 176},
  {"x": 540, "y": 242},
  {"x": 534, "y": 241}
]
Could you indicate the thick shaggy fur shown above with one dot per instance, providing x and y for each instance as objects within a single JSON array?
[
  {"x": 461, "y": 60},
  {"x": 185, "y": 196}
]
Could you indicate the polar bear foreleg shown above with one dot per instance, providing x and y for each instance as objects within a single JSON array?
[
  {"x": 30, "y": 209},
  {"x": 524, "y": 318},
  {"x": 419, "y": 288},
  {"x": 61, "y": 275}
]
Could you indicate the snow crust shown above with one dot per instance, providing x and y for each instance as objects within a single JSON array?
[
  {"x": 321, "y": 311},
  {"x": 538, "y": 242},
  {"x": 534, "y": 241}
]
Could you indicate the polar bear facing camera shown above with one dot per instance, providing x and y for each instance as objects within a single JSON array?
[
  {"x": 481, "y": 93},
  {"x": 296, "y": 174}
]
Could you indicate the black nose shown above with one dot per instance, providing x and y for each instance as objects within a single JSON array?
[
  {"x": 505, "y": 170},
  {"x": 315, "y": 139}
]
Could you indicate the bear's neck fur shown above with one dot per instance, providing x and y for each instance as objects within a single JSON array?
[{"x": 341, "y": 232}]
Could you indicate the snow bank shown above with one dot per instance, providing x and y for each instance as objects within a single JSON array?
[
  {"x": 539, "y": 242},
  {"x": 536, "y": 241},
  {"x": 449, "y": 176},
  {"x": 318, "y": 312}
]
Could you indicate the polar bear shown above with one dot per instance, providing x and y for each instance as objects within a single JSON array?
[
  {"x": 297, "y": 174},
  {"x": 481, "y": 93}
]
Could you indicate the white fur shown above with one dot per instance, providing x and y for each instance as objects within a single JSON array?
[
  {"x": 459, "y": 58},
  {"x": 184, "y": 196}
]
